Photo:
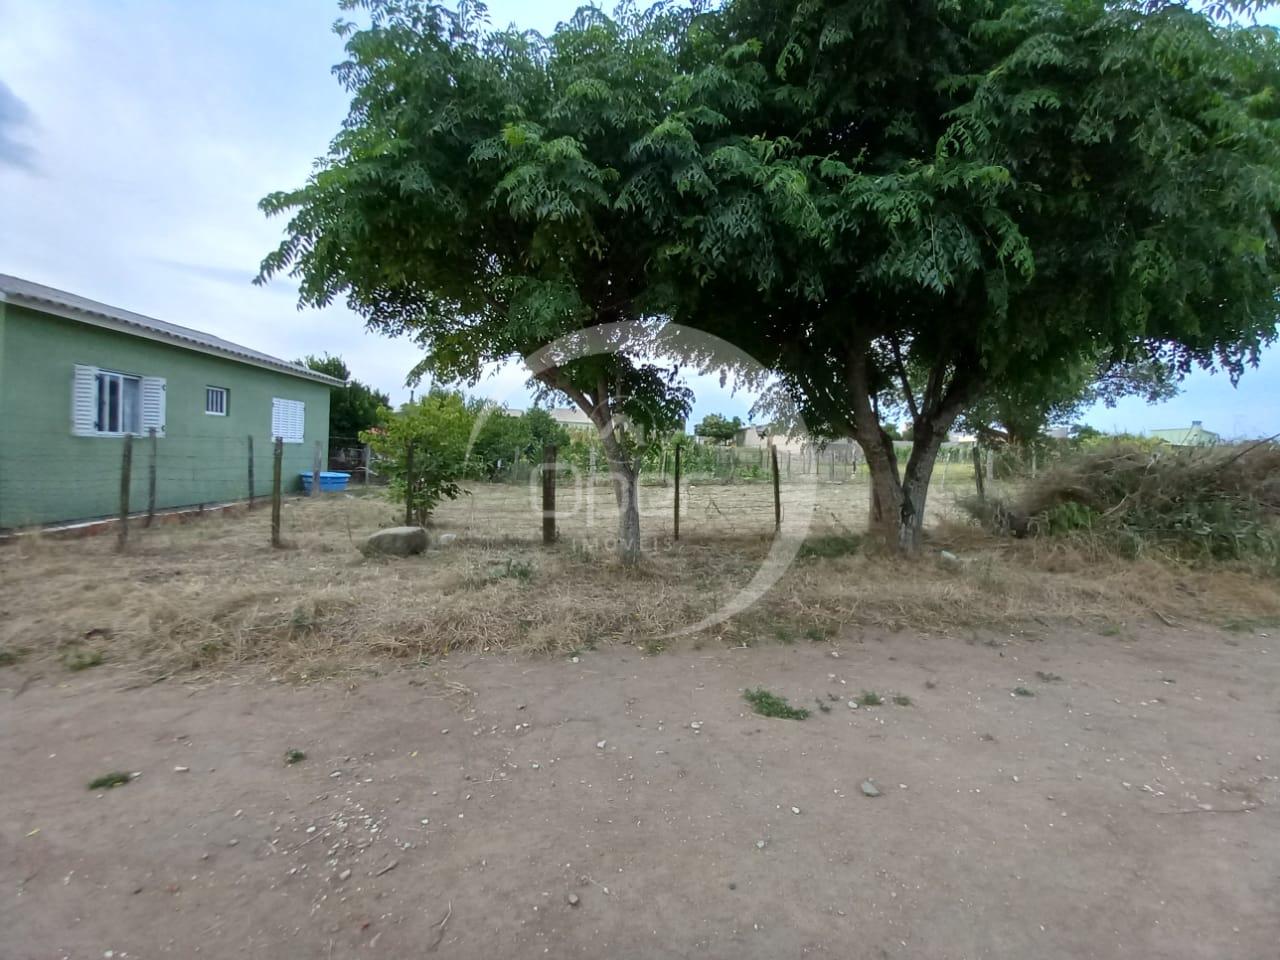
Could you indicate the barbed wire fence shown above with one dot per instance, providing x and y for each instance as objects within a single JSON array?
[{"x": 156, "y": 477}]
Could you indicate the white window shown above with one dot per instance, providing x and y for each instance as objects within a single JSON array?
[
  {"x": 215, "y": 401},
  {"x": 108, "y": 403},
  {"x": 288, "y": 420}
]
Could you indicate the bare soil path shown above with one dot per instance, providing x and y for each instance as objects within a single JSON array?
[{"x": 1129, "y": 808}]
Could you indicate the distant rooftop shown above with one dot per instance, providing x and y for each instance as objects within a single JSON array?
[
  {"x": 1193, "y": 436},
  {"x": 75, "y": 307}
]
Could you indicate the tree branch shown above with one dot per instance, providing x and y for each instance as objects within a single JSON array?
[{"x": 906, "y": 383}]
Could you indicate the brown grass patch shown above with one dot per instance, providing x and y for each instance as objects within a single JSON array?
[{"x": 211, "y": 596}]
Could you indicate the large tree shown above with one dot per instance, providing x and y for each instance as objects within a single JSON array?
[
  {"x": 352, "y": 408},
  {"x": 480, "y": 198},
  {"x": 930, "y": 203}
]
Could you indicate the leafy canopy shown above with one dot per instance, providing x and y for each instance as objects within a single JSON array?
[
  {"x": 716, "y": 427},
  {"x": 485, "y": 194},
  {"x": 352, "y": 408}
]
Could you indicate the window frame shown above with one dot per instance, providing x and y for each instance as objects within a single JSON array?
[
  {"x": 211, "y": 391},
  {"x": 102, "y": 378}
]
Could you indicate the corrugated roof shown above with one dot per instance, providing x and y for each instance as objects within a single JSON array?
[{"x": 75, "y": 307}]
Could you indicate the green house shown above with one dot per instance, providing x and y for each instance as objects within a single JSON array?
[
  {"x": 1193, "y": 436},
  {"x": 77, "y": 377}
]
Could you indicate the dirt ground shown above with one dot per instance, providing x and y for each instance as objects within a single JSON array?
[{"x": 1128, "y": 808}]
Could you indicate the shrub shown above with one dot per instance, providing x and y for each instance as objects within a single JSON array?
[{"x": 1221, "y": 503}]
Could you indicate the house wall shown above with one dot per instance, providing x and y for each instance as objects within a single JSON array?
[{"x": 48, "y": 475}]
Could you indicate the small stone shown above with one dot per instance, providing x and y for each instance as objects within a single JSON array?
[
  {"x": 600, "y": 744},
  {"x": 1015, "y": 780},
  {"x": 869, "y": 789},
  {"x": 796, "y": 811},
  {"x": 853, "y": 704},
  {"x": 344, "y": 875},
  {"x": 573, "y": 659},
  {"x": 574, "y": 900},
  {"x": 181, "y": 769},
  {"x": 233, "y": 842},
  {"x": 760, "y": 844},
  {"x": 445, "y": 730}
]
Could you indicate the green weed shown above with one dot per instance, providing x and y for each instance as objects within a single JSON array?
[{"x": 771, "y": 705}]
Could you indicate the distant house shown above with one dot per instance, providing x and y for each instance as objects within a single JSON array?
[
  {"x": 78, "y": 376},
  {"x": 572, "y": 419},
  {"x": 754, "y": 436},
  {"x": 1193, "y": 436}
]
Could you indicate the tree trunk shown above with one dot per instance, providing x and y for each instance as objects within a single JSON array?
[
  {"x": 624, "y": 474},
  {"x": 898, "y": 499},
  {"x": 626, "y": 490}
]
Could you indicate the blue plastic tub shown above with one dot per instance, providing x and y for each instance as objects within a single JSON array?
[{"x": 330, "y": 480}]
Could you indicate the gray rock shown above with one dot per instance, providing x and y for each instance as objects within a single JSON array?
[
  {"x": 869, "y": 789},
  {"x": 445, "y": 539},
  {"x": 948, "y": 556},
  {"x": 573, "y": 900},
  {"x": 395, "y": 542}
]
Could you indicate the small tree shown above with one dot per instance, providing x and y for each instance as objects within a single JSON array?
[
  {"x": 352, "y": 408},
  {"x": 423, "y": 448},
  {"x": 718, "y": 428}
]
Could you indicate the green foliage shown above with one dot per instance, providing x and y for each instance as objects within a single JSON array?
[
  {"x": 504, "y": 439},
  {"x": 905, "y": 208},
  {"x": 76, "y": 660},
  {"x": 771, "y": 705},
  {"x": 831, "y": 545},
  {"x": 933, "y": 206},
  {"x": 716, "y": 427},
  {"x": 870, "y": 698},
  {"x": 352, "y": 408},
  {"x": 1210, "y": 504},
  {"x": 109, "y": 780},
  {"x": 422, "y": 448},
  {"x": 293, "y": 756},
  {"x": 488, "y": 196}
]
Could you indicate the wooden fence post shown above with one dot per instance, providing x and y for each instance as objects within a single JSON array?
[
  {"x": 677, "y": 479},
  {"x": 977, "y": 473},
  {"x": 250, "y": 471},
  {"x": 777, "y": 496},
  {"x": 151, "y": 477},
  {"x": 316, "y": 467},
  {"x": 126, "y": 472},
  {"x": 277, "y": 475},
  {"x": 408, "y": 485},
  {"x": 549, "y": 494}
]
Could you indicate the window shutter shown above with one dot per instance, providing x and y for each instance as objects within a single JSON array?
[
  {"x": 153, "y": 396},
  {"x": 84, "y": 401},
  {"x": 288, "y": 420}
]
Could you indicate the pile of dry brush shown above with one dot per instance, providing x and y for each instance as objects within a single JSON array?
[{"x": 1219, "y": 503}]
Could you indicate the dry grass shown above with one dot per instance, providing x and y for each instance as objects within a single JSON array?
[{"x": 212, "y": 596}]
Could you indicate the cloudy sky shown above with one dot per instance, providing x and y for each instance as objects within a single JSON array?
[{"x": 136, "y": 137}]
